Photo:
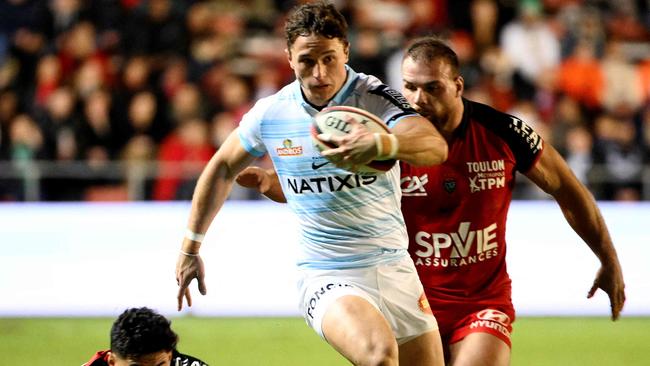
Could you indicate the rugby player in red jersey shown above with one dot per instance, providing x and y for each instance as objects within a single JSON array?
[{"x": 456, "y": 212}]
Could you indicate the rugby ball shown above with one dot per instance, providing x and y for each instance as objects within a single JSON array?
[{"x": 334, "y": 121}]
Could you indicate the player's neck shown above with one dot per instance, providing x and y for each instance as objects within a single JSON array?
[{"x": 453, "y": 120}]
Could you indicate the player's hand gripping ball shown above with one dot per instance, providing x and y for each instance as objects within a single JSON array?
[{"x": 334, "y": 121}]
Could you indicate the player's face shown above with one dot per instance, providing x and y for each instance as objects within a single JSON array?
[
  {"x": 432, "y": 88},
  {"x": 162, "y": 358},
  {"x": 319, "y": 65}
]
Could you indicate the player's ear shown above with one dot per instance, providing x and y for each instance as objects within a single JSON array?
[
  {"x": 168, "y": 356},
  {"x": 288, "y": 53},
  {"x": 111, "y": 359},
  {"x": 460, "y": 85},
  {"x": 346, "y": 51}
]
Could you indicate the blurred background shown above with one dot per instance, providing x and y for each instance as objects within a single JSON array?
[{"x": 127, "y": 99}]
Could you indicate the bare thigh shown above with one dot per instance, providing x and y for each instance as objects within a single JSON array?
[
  {"x": 425, "y": 350},
  {"x": 480, "y": 349},
  {"x": 359, "y": 332}
]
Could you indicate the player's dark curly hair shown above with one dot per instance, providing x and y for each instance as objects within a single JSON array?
[
  {"x": 141, "y": 331},
  {"x": 319, "y": 18},
  {"x": 427, "y": 49}
]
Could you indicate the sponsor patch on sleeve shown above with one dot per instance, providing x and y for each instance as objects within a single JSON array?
[{"x": 393, "y": 96}]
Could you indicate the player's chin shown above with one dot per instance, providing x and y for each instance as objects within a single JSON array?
[{"x": 323, "y": 93}]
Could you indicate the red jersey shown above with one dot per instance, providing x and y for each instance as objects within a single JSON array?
[{"x": 456, "y": 212}]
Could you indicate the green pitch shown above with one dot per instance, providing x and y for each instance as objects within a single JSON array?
[{"x": 289, "y": 342}]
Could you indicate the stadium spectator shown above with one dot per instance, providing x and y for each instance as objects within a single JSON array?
[
  {"x": 141, "y": 336},
  {"x": 484, "y": 15},
  {"x": 234, "y": 95},
  {"x": 367, "y": 56},
  {"x": 358, "y": 287},
  {"x": 156, "y": 28},
  {"x": 567, "y": 114},
  {"x": 580, "y": 24},
  {"x": 621, "y": 88},
  {"x": 620, "y": 156},
  {"x": 79, "y": 46},
  {"x": 182, "y": 154},
  {"x": 145, "y": 117},
  {"x": 173, "y": 77},
  {"x": 578, "y": 154},
  {"x": 186, "y": 103},
  {"x": 8, "y": 110},
  {"x": 531, "y": 46},
  {"x": 96, "y": 134},
  {"x": 580, "y": 76},
  {"x": 48, "y": 79},
  {"x": 57, "y": 121},
  {"x": 26, "y": 141},
  {"x": 25, "y": 144}
]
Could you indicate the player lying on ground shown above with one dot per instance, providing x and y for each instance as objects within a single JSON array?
[{"x": 140, "y": 336}]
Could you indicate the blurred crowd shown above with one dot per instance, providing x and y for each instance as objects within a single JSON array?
[{"x": 164, "y": 81}]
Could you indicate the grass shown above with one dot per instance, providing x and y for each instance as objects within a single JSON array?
[
  {"x": 289, "y": 342},
  {"x": 581, "y": 341}
]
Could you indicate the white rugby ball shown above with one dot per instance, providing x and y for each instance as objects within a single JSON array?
[{"x": 334, "y": 121}]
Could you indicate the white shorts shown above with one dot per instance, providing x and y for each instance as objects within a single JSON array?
[{"x": 393, "y": 288}]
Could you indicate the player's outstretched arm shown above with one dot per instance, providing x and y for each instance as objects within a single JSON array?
[
  {"x": 210, "y": 193},
  {"x": 264, "y": 181},
  {"x": 417, "y": 141},
  {"x": 553, "y": 175}
]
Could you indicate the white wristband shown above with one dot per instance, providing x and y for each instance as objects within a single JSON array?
[
  {"x": 189, "y": 234},
  {"x": 392, "y": 142},
  {"x": 394, "y": 146},
  {"x": 379, "y": 144}
]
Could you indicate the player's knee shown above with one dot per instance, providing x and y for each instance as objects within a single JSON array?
[{"x": 380, "y": 353}]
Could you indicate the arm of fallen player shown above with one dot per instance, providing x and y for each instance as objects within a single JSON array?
[{"x": 264, "y": 181}]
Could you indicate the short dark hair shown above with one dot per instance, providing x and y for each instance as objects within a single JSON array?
[
  {"x": 141, "y": 331},
  {"x": 319, "y": 18},
  {"x": 427, "y": 49}
]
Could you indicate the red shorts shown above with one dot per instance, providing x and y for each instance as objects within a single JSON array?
[{"x": 457, "y": 321}]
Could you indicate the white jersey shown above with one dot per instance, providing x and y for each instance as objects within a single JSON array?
[{"x": 347, "y": 220}]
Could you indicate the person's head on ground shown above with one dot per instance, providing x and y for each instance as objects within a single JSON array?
[
  {"x": 317, "y": 50},
  {"x": 142, "y": 337},
  {"x": 432, "y": 82}
]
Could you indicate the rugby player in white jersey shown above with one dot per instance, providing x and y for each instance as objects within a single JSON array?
[{"x": 358, "y": 285}]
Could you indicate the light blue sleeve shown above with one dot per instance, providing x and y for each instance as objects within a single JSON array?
[{"x": 249, "y": 129}]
